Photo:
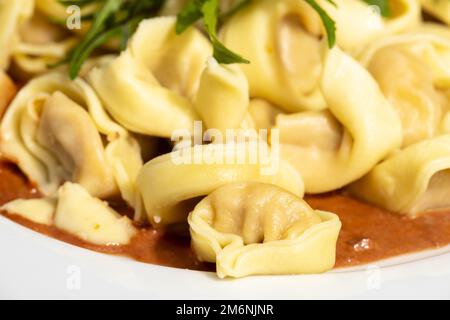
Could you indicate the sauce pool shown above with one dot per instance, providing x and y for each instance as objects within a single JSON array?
[{"x": 368, "y": 233}]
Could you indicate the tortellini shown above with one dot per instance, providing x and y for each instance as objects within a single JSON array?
[
  {"x": 52, "y": 131},
  {"x": 13, "y": 14},
  {"x": 222, "y": 99},
  {"x": 438, "y": 8},
  {"x": 357, "y": 24},
  {"x": 282, "y": 39},
  {"x": 90, "y": 218},
  {"x": 334, "y": 147},
  {"x": 269, "y": 34},
  {"x": 75, "y": 211},
  {"x": 254, "y": 228},
  {"x": 149, "y": 88},
  {"x": 29, "y": 39},
  {"x": 167, "y": 183},
  {"x": 413, "y": 71},
  {"x": 41, "y": 43},
  {"x": 412, "y": 181},
  {"x": 40, "y": 211}
]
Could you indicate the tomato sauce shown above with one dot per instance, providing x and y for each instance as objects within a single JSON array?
[{"x": 368, "y": 233}]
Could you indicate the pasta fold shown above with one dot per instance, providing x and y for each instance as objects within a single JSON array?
[
  {"x": 438, "y": 8},
  {"x": 334, "y": 147},
  {"x": 55, "y": 130},
  {"x": 282, "y": 39},
  {"x": 222, "y": 99},
  {"x": 149, "y": 89},
  {"x": 254, "y": 228},
  {"x": 411, "y": 181},
  {"x": 167, "y": 183},
  {"x": 75, "y": 211},
  {"x": 413, "y": 71},
  {"x": 13, "y": 14},
  {"x": 90, "y": 218}
]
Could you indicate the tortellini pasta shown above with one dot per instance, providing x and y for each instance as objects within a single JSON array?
[
  {"x": 166, "y": 183},
  {"x": 254, "y": 228},
  {"x": 269, "y": 34},
  {"x": 222, "y": 99},
  {"x": 13, "y": 14},
  {"x": 52, "y": 131},
  {"x": 282, "y": 40},
  {"x": 412, "y": 181},
  {"x": 40, "y": 211},
  {"x": 357, "y": 24},
  {"x": 334, "y": 147},
  {"x": 91, "y": 219},
  {"x": 41, "y": 43},
  {"x": 29, "y": 39},
  {"x": 438, "y": 8},
  {"x": 149, "y": 89},
  {"x": 75, "y": 211},
  {"x": 413, "y": 71}
]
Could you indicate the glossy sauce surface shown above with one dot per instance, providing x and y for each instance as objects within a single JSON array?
[{"x": 368, "y": 233}]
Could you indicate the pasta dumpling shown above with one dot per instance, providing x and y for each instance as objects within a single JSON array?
[
  {"x": 254, "y": 228},
  {"x": 222, "y": 99},
  {"x": 149, "y": 89},
  {"x": 271, "y": 33},
  {"x": 334, "y": 147},
  {"x": 13, "y": 14},
  {"x": 438, "y": 8},
  {"x": 411, "y": 181},
  {"x": 75, "y": 211},
  {"x": 413, "y": 71},
  {"x": 166, "y": 183},
  {"x": 357, "y": 23},
  {"x": 282, "y": 39},
  {"x": 52, "y": 131}
]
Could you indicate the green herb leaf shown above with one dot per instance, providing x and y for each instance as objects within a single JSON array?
[
  {"x": 114, "y": 19},
  {"x": 190, "y": 14},
  {"x": 329, "y": 24},
  {"x": 383, "y": 5},
  {"x": 209, "y": 11}
]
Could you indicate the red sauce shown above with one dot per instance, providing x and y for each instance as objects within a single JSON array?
[{"x": 368, "y": 233}]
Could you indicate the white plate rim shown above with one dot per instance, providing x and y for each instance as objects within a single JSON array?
[{"x": 34, "y": 266}]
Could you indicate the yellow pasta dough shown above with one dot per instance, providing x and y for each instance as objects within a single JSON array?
[
  {"x": 75, "y": 211},
  {"x": 222, "y": 99},
  {"x": 13, "y": 14},
  {"x": 412, "y": 181},
  {"x": 334, "y": 147},
  {"x": 254, "y": 228},
  {"x": 282, "y": 39},
  {"x": 52, "y": 131},
  {"x": 413, "y": 71},
  {"x": 438, "y": 8},
  {"x": 167, "y": 182},
  {"x": 149, "y": 89}
]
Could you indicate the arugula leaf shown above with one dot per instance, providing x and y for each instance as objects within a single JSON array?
[
  {"x": 329, "y": 24},
  {"x": 190, "y": 14},
  {"x": 209, "y": 11},
  {"x": 385, "y": 9},
  {"x": 114, "y": 19}
]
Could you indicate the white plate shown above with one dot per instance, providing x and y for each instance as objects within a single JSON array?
[{"x": 35, "y": 266}]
